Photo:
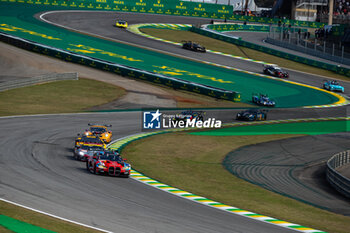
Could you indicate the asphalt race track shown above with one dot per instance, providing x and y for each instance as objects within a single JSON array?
[
  {"x": 37, "y": 169},
  {"x": 102, "y": 24},
  {"x": 295, "y": 168}
]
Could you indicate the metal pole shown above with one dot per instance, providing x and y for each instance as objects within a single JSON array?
[
  {"x": 305, "y": 44},
  {"x": 342, "y": 53},
  {"x": 281, "y": 33},
  {"x": 330, "y": 12},
  {"x": 333, "y": 50},
  {"x": 290, "y": 36},
  {"x": 324, "y": 46},
  {"x": 315, "y": 43}
]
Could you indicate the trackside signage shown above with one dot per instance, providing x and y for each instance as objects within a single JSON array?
[{"x": 186, "y": 119}]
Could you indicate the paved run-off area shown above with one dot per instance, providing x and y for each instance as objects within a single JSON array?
[{"x": 18, "y": 20}]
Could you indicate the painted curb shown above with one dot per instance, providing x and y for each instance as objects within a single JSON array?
[{"x": 121, "y": 143}]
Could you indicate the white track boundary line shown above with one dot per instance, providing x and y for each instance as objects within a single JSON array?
[{"x": 54, "y": 216}]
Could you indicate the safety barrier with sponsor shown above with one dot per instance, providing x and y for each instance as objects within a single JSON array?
[
  {"x": 234, "y": 40},
  {"x": 168, "y": 7},
  {"x": 337, "y": 180},
  {"x": 37, "y": 80},
  {"x": 245, "y": 27},
  {"x": 121, "y": 69}
]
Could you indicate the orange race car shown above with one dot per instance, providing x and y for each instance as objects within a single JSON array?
[
  {"x": 87, "y": 140},
  {"x": 101, "y": 131}
]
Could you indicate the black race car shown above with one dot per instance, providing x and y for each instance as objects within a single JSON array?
[
  {"x": 252, "y": 115},
  {"x": 276, "y": 71},
  {"x": 193, "y": 46}
]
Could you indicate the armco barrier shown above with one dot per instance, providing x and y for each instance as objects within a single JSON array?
[
  {"x": 234, "y": 40},
  {"x": 338, "y": 181},
  {"x": 168, "y": 7},
  {"x": 36, "y": 80},
  {"x": 121, "y": 69}
]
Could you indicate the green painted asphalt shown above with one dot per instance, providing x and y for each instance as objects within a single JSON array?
[
  {"x": 20, "y": 227},
  {"x": 308, "y": 128},
  {"x": 17, "y": 19}
]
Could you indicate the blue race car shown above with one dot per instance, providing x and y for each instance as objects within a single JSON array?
[
  {"x": 263, "y": 100},
  {"x": 333, "y": 86}
]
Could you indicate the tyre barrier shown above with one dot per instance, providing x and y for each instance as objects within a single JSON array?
[
  {"x": 236, "y": 41},
  {"x": 121, "y": 69},
  {"x": 337, "y": 180}
]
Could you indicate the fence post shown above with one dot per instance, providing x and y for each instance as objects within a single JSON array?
[
  {"x": 315, "y": 44},
  {"x": 324, "y": 46},
  {"x": 333, "y": 50}
]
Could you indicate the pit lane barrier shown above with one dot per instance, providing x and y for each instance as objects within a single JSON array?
[
  {"x": 236, "y": 41},
  {"x": 337, "y": 180},
  {"x": 119, "y": 144},
  {"x": 123, "y": 70},
  {"x": 168, "y": 7},
  {"x": 17, "y": 83}
]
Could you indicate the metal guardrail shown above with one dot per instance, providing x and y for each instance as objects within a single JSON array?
[
  {"x": 338, "y": 181},
  {"x": 304, "y": 47},
  {"x": 36, "y": 80}
]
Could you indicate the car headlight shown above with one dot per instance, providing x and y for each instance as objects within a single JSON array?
[
  {"x": 86, "y": 133},
  {"x": 81, "y": 153},
  {"x": 106, "y": 135}
]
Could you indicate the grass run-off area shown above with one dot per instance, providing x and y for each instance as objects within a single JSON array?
[
  {"x": 194, "y": 163},
  {"x": 221, "y": 46},
  {"x": 40, "y": 220},
  {"x": 57, "y": 97}
]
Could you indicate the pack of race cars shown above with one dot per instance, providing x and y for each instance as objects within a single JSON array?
[{"x": 91, "y": 147}]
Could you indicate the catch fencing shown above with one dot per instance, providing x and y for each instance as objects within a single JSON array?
[
  {"x": 8, "y": 85},
  {"x": 292, "y": 57},
  {"x": 337, "y": 180}
]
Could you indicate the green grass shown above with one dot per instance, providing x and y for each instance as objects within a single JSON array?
[
  {"x": 221, "y": 46},
  {"x": 39, "y": 220},
  {"x": 307, "y": 128},
  {"x": 57, "y": 97},
  {"x": 194, "y": 163}
]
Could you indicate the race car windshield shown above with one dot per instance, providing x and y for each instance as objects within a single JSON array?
[
  {"x": 122, "y": 22},
  {"x": 91, "y": 140},
  {"x": 98, "y": 130},
  {"x": 114, "y": 158}
]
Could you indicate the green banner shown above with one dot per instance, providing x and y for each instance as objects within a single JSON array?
[
  {"x": 255, "y": 28},
  {"x": 168, "y": 7}
]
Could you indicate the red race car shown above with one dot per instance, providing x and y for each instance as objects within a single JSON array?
[{"x": 109, "y": 163}]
